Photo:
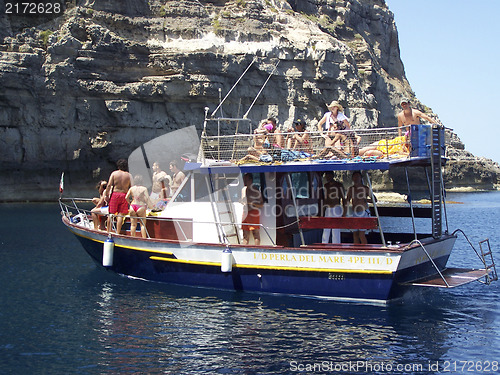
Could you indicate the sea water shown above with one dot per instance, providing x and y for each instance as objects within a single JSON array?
[{"x": 60, "y": 314}]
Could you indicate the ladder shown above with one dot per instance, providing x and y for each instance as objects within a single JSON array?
[
  {"x": 436, "y": 174},
  {"x": 223, "y": 209},
  {"x": 491, "y": 270}
]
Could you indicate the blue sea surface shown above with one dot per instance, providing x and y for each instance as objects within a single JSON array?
[{"x": 60, "y": 314}]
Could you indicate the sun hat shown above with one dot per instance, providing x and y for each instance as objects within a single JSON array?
[
  {"x": 404, "y": 100},
  {"x": 335, "y": 104}
]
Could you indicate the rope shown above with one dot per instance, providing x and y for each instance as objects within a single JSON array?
[{"x": 283, "y": 226}]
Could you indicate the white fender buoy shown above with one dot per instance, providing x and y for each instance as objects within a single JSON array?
[
  {"x": 226, "y": 264},
  {"x": 107, "y": 253}
]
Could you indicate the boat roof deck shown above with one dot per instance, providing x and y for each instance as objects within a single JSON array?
[{"x": 229, "y": 153}]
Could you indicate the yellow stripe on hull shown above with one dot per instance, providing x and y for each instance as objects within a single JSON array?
[
  {"x": 126, "y": 247},
  {"x": 216, "y": 264}
]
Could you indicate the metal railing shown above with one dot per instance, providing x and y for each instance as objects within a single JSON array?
[
  {"x": 341, "y": 144},
  {"x": 85, "y": 215}
]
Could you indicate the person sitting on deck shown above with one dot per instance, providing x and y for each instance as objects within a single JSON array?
[
  {"x": 300, "y": 140},
  {"x": 399, "y": 146},
  {"x": 274, "y": 137},
  {"x": 332, "y": 127},
  {"x": 359, "y": 195},
  {"x": 100, "y": 205},
  {"x": 252, "y": 201},
  {"x": 257, "y": 150}
]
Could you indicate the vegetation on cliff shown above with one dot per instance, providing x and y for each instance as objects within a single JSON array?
[{"x": 87, "y": 86}]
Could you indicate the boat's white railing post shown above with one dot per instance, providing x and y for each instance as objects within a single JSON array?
[
  {"x": 410, "y": 201},
  {"x": 382, "y": 237},
  {"x": 267, "y": 233},
  {"x": 294, "y": 200}
]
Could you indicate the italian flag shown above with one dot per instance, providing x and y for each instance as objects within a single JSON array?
[{"x": 61, "y": 184}]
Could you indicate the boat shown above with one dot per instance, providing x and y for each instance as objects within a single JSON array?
[{"x": 196, "y": 239}]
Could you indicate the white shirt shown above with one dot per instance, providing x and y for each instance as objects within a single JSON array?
[{"x": 329, "y": 120}]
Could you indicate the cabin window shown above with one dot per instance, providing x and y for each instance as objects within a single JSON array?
[
  {"x": 201, "y": 193},
  {"x": 315, "y": 185},
  {"x": 185, "y": 193},
  {"x": 300, "y": 182},
  {"x": 259, "y": 179}
]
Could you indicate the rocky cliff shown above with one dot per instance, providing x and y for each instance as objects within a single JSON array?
[{"x": 88, "y": 85}]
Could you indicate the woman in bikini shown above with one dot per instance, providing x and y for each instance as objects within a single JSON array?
[
  {"x": 138, "y": 197},
  {"x": 300, "y": 140}
]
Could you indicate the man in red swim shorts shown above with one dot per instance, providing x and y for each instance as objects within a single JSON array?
[{"x": 119, "y": 183}]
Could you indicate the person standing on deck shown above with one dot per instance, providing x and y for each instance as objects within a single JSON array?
[
  {"x": 161, "y": 184},
  {"x": 252, "y": 202},
  {"x": 139, "y": 200},
  {"x": 118, "y": 185},
  {"x": 335, "y": 206},
  {"x": 409, "y": 116},
  {"x": 358, "y": 195},
  {"x": 177, "y": 177}
]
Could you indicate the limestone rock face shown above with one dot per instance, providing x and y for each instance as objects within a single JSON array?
[{"x": 86, "y": 87}]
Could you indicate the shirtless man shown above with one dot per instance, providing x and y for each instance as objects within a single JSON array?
[
  {"x": 409, "y": 116},
  {"x": 335, "y": 204},
  {"x": 359, "y": 194},
  {"x": 177, "y": 177},
  {"x": 161, "y": 184},
  {"x": 118, "y": 184}
]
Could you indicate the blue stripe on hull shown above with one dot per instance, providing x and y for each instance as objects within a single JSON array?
[{"x": 312, "y": 283}]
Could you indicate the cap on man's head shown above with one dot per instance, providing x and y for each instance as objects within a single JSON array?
[
  {"x": 404, "y": 100},
  {"x": 300, "y": 122}
]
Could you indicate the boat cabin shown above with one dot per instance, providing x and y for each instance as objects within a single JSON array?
[{"x": 209, "y": 206}]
